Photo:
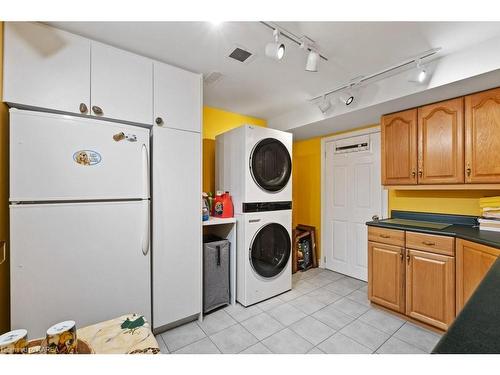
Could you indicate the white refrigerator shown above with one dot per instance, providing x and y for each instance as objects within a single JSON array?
[{"x": 79, "y": 219}]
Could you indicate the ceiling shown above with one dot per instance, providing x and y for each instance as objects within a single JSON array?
[{"x": 266, "y": 88}]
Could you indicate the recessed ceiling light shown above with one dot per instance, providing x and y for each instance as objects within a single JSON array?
[
  {"x": 216, "y": 23},
  {"x": 275, "y": 50}
]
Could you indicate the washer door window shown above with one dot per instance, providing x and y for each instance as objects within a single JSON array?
[
  {"x": 270, "y": 165},
  {"x": 270, "y": 250}
]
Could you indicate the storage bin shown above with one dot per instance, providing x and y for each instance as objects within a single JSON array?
[{"x": 215, "y": 274}]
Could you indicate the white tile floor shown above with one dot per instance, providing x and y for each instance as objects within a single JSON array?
[{"x": 325, "y": 312}]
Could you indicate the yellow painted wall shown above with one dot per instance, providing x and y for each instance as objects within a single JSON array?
[
  {"x": 4, "y": 202},
  {"x": 217, "y": 121},
  {"x": 459, "y": 202}
]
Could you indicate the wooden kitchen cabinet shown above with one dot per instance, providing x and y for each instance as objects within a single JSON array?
[
  {"x": 46, "y": 68},
  {"x": 473, "y": 262},
  {"x": 399, "y": 148},
  {"x": 386, "y": 275},
  {"x": 482, "y": 137},
  {"x": 430, "y": 288},
  {"x": 177, "y": 98},
  {"x": 441, "y": 142},
  {"x": 121, "y": 85}
]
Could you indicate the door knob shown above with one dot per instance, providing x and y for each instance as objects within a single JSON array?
[
  {"x": 97, "y": 110},
  {"x": 375, "y": 218},
  {"x": 159, "y": 121},
  {"x": 83, "y": 108}
]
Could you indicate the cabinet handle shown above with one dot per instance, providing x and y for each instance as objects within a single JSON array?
[
  {"x": 83, "y": 108},
  {"x": 97, "y": 110},
  {"x": 401, "y": 254},
  {"x": 468, "y": 170},
  {"x": 420, "y": 173},
  {"x": 413, "y": 174},
  {"x": 428, "y": 243},
  {"x": 385, "y": 236},
  {"x": 159, "y": 121},
  {"x": 408, "y": 258}
]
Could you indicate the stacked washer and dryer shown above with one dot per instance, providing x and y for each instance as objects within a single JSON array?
[{"x": 255, "y": 165}]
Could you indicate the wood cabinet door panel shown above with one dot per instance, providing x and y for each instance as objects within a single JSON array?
[
  {"x": 430, "y": 288},
  {"x": 441, "y": 143},
  {"x": 386, "y": 275},
  {"x": 399, "y": 148},
  {"x": 473, "y": 262},
  {"x": 482, "y": 137}
]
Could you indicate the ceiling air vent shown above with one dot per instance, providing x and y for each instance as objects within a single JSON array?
[{"x": 240, "y": 54}]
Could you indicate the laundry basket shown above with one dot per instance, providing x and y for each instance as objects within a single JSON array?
[{"x": 215, "y": 274}]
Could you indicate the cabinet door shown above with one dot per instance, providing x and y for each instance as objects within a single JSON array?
[
  {"x": 473, "y": 262},
  {"x": 46, "y": 67},
  {"x": 177, "y": 98},
  {"x": 399, "y": 148},
  {"x": 441, "y": 143},
  {"x": 386, "y": 275},
  {"x": 482, "y": 140},
  {"x": 121, "y": 85},
  {"x": 430, "y": 288},
  {"x": 176, "y": 225}
]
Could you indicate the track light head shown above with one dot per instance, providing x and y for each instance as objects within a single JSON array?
[
  {"x": 421, "y": 75},
  {"x": 346, "y": 98},
  {"x": 325, "y": 104},
  {"x": 312, "y": 61},
  {"x": 275, "y": 50}
]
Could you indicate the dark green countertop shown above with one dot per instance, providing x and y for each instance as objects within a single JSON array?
[
  {"x": 461, "y": 227},
  {"x": 476, "y": 330}
]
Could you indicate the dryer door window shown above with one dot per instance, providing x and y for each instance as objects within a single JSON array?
[
  {"x": 270, "y": 165},
  {"x": 270, "y": 250}
]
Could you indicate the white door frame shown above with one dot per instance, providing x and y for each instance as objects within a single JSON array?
[{"x": 324, "y": 141}]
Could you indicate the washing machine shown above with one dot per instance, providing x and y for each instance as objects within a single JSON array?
[
  {"x": 255, "y": 165},
  {"x": 263, "y": 260}
]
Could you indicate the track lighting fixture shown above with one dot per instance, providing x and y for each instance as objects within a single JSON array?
[
  {"x": 312, "y": 61},
  {"x": 325, "y": 104},
  {"x": 346, "y": 98},
  {"x": 275, "y": 50},
  {"x": 421, "y": 74}
]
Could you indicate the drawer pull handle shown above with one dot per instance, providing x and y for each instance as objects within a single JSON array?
[
  {"x": 385, "y": 236},
  {"x": 428, "y": 243}
]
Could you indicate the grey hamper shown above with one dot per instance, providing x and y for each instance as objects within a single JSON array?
[{"x": 215, "y": 274}]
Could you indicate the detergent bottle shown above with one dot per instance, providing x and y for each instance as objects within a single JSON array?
[
  {"x": 227, "y": 205},
  {"x": 218, "y": 205}
]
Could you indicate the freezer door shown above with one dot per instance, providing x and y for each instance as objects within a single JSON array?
[
  {"x": 58, "y": 158},
  {"x": 86, "y": 262}
]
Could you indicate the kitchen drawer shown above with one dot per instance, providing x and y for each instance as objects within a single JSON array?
[
  {"x": 431, "y": 242},
  {"x": 387, "y": 236}
]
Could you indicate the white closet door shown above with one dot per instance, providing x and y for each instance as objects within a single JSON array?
[
  {"x": 45, "y": 67},
  {"x": 176, "y": 225},
  {"x": 122, "y": 85},
  {"x": 177, "y": 96},
  {"x": 353, "y": 195}
]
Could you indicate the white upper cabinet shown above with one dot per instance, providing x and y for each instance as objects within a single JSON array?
[
  {"x": 121, "y": 85},
  {"x": 46, "y": 67},
  {"x": 177, "y": 97}
]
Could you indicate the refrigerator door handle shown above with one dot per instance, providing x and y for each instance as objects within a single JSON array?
[
  {"x": 145, "y": 170},
  {"x": 145, "y": 235}
]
